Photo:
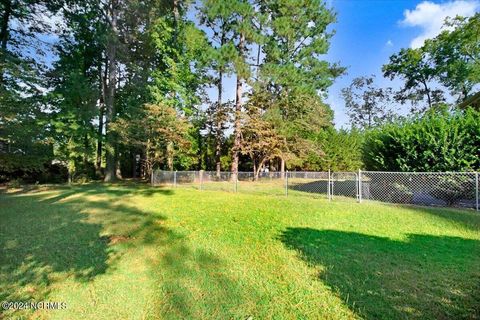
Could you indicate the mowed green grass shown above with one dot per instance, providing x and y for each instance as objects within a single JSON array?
[{"x": 136, "y": 252}]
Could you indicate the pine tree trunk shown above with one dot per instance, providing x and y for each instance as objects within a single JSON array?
[
  {"x": 170, "y": 156},
  {"x": 86, "y": 146},
  {"x": 176, "y": 19},
  {"x": 219, "y": 125},
  {"x": 220, "y": 112},
  {"x": 238, "y": 109},
  {"x": 110, "y": 170},
  {"x": 98, "y": 162},
  {"x": 7, "y": 11}
]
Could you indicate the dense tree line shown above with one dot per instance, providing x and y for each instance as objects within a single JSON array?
[
  {"x": 102, "y": 89},
  {"x": 121, "y": 90}
]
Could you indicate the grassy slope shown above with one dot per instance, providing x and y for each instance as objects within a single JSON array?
[{"x": 118, "y": 252}]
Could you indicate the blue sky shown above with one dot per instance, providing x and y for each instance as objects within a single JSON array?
[{"x": 369, "y": 31}]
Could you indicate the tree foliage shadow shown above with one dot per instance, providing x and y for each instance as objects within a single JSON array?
[
  {"x": 44, "y": 237},
  {"x": 48, "y": 237},
  {"x": 113, "y": 189},
  {"x": 424, "y": 277},
  {"x": 195, "y": 284}
]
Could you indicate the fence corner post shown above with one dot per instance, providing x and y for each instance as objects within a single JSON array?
[
  {"x": 359, "y": 186},
  {"x": 476, "y": 190},
  {"x": 286, "y": 183},
  {"x": 151, "y": 178}
]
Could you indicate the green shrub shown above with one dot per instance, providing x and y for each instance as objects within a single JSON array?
[
  {"x": 438, "y": 141},
  {"x": 342, "y": 151}
]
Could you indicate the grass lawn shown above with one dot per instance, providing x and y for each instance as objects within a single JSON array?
[{"x": 136, "y": 252}]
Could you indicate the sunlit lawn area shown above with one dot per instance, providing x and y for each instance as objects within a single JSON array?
[{"x": 135, "y": 252}]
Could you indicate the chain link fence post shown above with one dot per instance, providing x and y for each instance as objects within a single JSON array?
[
  {"x": 476, "y": 190},
  {"x": 151, "y": 178},
  {"x": 286, "y": 183},
  {"x": 359, "y": 186},
  {"x": 175, "y": 179},
  {"x": 200, "y": 173},
  {"x": 329, "y": 191}
]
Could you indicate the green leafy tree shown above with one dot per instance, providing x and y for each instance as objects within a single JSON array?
[
  {"x": 259, "y": 139},
  {"x": 367, "y": 105},
  {"x": 77, "y": 88},
  {"x": 418, "y": 74},
  {"x": 456, "y": 55},
  {"x": 24, "y": 129},
  {"x": 164, "y": 58},
  {"x": 294, "y": 73},
  {"x": 159, "y": 130},
  {"x": 342, "y": 150},
  {"x": 218, "y": 18}
]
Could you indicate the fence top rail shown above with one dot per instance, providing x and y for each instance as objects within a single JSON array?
[
  {"x": 313, "y": 172},
  {"x": 422, "y": 172}
]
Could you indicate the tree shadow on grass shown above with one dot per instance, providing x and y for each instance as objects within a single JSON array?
[
  {"x": 46, "y": 238},
  {"x": 117, "y": 189},
  {"x": 424, "y": 277},
  {"x": 196, "y": 284}
]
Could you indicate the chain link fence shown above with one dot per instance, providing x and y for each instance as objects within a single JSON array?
[
  {"x": 442, "y": 189},
  {"x": 446, "y": 189}
]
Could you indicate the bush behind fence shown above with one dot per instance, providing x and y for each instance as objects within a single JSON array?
[{"x": 443, "y": 189}]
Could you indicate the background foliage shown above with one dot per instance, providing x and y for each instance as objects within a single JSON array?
[{"x": 437, "y": 141}]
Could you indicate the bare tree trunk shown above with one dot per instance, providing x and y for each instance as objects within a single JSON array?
[
  {"x": 220, "y": 115},
  {"x": 170, "y": 156},
  {"x": 103, "y": 77},
  {"x": 427, "y": 92},
  {"x": 110, "y": 145},
  {"x": 4, "y": 37},
  {"x": 176, "y": 18},
  {"x": 98, "y": 163},
  {"x": 282, "y": 167},
  {"x": 86, "y": 146},
  {"x": 219, "y": 125},
  {"x": 148, "y": 162},
  {"x": 238, "y": 109},
  {"x": 260, "y": 165}
]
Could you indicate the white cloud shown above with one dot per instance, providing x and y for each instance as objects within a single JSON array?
[
  {"x": 389, "y": 43},
  {"x": 430, "y": 16}
]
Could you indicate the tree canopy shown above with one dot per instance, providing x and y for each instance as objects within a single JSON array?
[{"x": 116, "y": 88}]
